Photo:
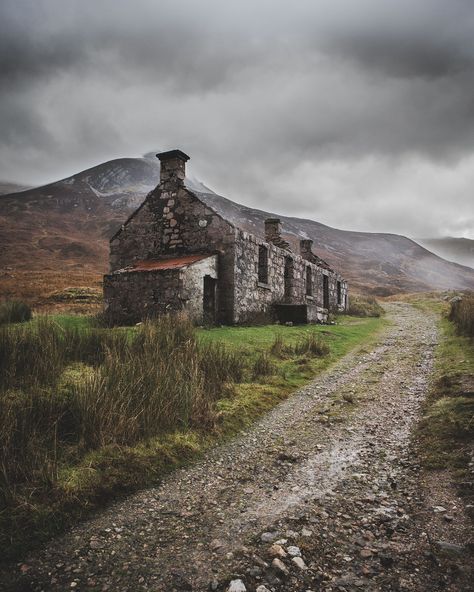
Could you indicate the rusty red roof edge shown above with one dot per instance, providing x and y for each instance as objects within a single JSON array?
[{"x": 163, "y": 264}]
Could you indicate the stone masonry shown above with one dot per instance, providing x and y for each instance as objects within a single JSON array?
[{"x": 176, "y": 253}]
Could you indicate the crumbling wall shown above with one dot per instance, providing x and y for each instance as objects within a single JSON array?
[
  {"x": 254, "y": 297},
  {"x": 174, "y": 222},
  {"x": 132, "y": 296}
]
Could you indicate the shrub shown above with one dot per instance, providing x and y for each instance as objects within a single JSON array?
[
  {"x": 14, "y": 311},
  {"x": 462, "y": 314},
  {"x": 364, "y": 306}
]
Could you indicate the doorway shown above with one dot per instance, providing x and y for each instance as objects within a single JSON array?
[{"x": 209, "y": 303}]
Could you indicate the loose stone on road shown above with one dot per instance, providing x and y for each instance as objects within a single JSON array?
[{"x": 324, "y": 493}]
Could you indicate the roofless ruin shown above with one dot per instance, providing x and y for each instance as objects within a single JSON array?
[{"x": 175, "y": 253}]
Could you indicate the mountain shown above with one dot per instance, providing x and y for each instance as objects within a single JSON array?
[
  {"x": 379, "y": 263},
  {"x": 57, "y": 235},
  {"x": 459, "y": 250},
  {"x": 8, "y": 187},
  {"x": 68, "y": 223}
]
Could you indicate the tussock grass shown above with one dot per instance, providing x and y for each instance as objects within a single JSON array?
[
  {"x": 14, "y": 311},
  {"x": 364, "y": 306},
  {"x": 263, "y": 366},
  {"x": 446, "y": 430},
  {"x": 308, "y": 344},
  {"x": 462, "y": 315},
  {"x": 311, "y": 345},
  {"x": 127, "y": 388}
]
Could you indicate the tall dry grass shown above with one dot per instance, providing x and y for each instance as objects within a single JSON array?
[
  {"x": 129, "y": 387},
  {"x": 462, "y": 315},
  {"x": 14, "y": 311}
]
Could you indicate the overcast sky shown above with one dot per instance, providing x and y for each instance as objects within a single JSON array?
[{"x": 356, "y": 113}]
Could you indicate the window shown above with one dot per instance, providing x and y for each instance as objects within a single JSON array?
[
  {"x": 263, "y": 264},
  {"x": 288, "y": 278},
  {"x": 339, "y": 293},
  {"x": 309, "y": 281},
  {"x": 325, "y": 291}
]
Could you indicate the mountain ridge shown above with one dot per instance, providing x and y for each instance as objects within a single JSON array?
[{"x": 66, "y": 225}]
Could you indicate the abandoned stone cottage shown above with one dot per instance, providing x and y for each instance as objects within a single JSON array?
[{"x": 176, "y": 253}]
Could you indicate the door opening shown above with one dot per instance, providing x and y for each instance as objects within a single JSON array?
[{"x": 209, "y": 300}]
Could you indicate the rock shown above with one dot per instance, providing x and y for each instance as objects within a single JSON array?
[
  {"x": 298, "y": 561},
  {"x": 365, "y": 553},
  {"x": 452, "y": 548},
  {"x": 306, "y": 532},
  {"x": 277, "y": 551},
  {"x": 236, "y": 586},
  {"x": 213, "y": 585},
  {"x": 216, "y": 545},
  {"x": 279, "y": 566},
  {"x": 269, "y": 537},
  {"x": 439, "y": 509},
  {"x": 262, "y": 589},
  {"x": 96, "y": 544},
  {"x": 294, "y": 551},
  {"x": 448, "y": 517},
  {"x": 386, "y": 560}
]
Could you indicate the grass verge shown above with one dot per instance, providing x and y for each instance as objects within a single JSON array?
[{"x": 446, "y": 431}]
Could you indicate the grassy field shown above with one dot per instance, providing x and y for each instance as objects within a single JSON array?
[{"x": 91, "y": 413}]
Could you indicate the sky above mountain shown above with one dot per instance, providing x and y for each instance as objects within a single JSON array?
[{"x": 357, "y": 113}]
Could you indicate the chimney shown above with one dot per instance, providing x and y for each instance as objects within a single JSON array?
[
  {"x": 273, "y": 233},
  {"x": 306, "y": 248},
  {"x": 272, "y": 229},
  {"x": 173, "y": 167}
]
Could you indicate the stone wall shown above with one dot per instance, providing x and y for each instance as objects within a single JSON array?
[
  {"x": 252, "y": 296},
  {"x": 174, "y": 222},
  {"x": 131, "y": 296}
]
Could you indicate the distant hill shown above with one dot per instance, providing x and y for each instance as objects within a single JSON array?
[
  {"x": 7, "y": 187},
  {"x": 64, "y": 227},
  {"x": 459, "y": 250}
]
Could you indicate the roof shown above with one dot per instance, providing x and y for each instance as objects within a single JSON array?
[{"x": 161, "y": 264}]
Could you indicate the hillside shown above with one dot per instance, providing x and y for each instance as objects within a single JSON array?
[
  {"x": 459, "y": 250},
  {"x": 8, "y": 187},
  {"x": 57, "y": 235}
]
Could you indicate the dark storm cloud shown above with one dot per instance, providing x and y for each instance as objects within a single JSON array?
[{"x": 297, "y": 107}]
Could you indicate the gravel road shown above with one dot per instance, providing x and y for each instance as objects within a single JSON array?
[{"x": 324, "y": 493}]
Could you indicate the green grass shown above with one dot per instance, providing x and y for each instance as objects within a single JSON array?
[
  {"x": 89, "y": 470},
  {"x": 446, "y": 430}
]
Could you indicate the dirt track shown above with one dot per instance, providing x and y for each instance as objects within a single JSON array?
[{"x": 332, "y": 471}]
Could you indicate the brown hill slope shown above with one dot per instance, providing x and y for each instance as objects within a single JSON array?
[
  {"x": 57, "y": 235},
  {"x": 459, "y": 250}
]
